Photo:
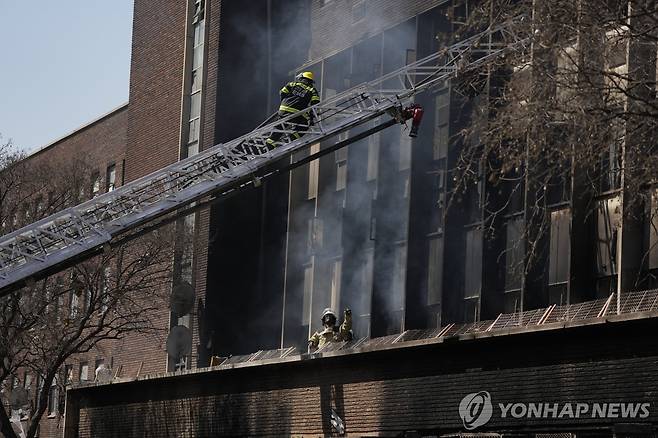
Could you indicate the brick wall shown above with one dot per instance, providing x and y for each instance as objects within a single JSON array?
[
  {"x": 334, "y": 29},
  {"x": 391, "y": 391},
  {"x": 156, "y": 76}
]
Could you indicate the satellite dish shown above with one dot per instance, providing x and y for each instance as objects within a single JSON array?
[
  {"x": 182, "y": 298},
  {"x": 179, "y": 342},
  {"x": 19, "y": 398}
]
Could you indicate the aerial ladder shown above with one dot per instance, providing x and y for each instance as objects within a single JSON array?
[{"x": 77, "y": 233}]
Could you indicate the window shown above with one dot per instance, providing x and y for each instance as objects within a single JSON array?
[
  {"x": 653, "y": 231},
  {"x": 336, "y": 270},
  {"x": 558, "y": 263},
  {"x": 514, "y": 254},
  {"x": 405, "y": 150},
  {"x": 53, "y": 397},
  {"x": 84, "y": 371},
  {"x": 441, "y": 124},
  {"x": 105, "y": 289},
  {"x": 399, "y": 277},
  {"x": 608, "y": 219},
  {"x": 308, "y": 293},
  {"x": 95, "y": 184},
  {"x": 74, "y": 304},
  {"x": 373, "y": 157},
  {"x": 358, "y": 11},
  {"x": 27, "y": 381},
  {"x": 611, "y": 165},
  {"x": 473, "y": 265},
  {"x": 438, "y": 200},
  {"x": 110, "y": 178},
  {"x": 313, "y": 173},
  {"x": 435, "y": 271},
  {"x": 341, "y": 168},
  {"x": 97, "y": 364},
  {"x": 315, "y": 234},
  {"x": 512, "y": 301},
  {"x": 68, "y": 374},
  {"x": 367, "y": 280},
  {"x": 195, "y": 82}
]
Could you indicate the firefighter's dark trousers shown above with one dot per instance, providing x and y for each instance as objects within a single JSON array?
[{"x": 299, "y": 126}]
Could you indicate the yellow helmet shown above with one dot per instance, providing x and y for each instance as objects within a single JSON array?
[{"x": 307, "y": 74}]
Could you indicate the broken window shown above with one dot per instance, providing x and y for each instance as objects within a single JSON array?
[
  {"x": 608, "y": 219},
  {"x": 435, "y": 271},
  {"x": 558, "y": 263}
]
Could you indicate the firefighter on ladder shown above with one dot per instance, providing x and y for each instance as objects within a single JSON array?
[
  {"x": 331, "y": 332},
  {"x": 296, "y": 96}
]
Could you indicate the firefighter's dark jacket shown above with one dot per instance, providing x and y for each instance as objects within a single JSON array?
[{"x": 298, "y": 95}]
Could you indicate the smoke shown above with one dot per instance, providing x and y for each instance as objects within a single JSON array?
[{"x": 365, "y": 225}]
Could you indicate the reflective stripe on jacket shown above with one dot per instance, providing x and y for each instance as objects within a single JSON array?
[{"x": 296, "y": 96}]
